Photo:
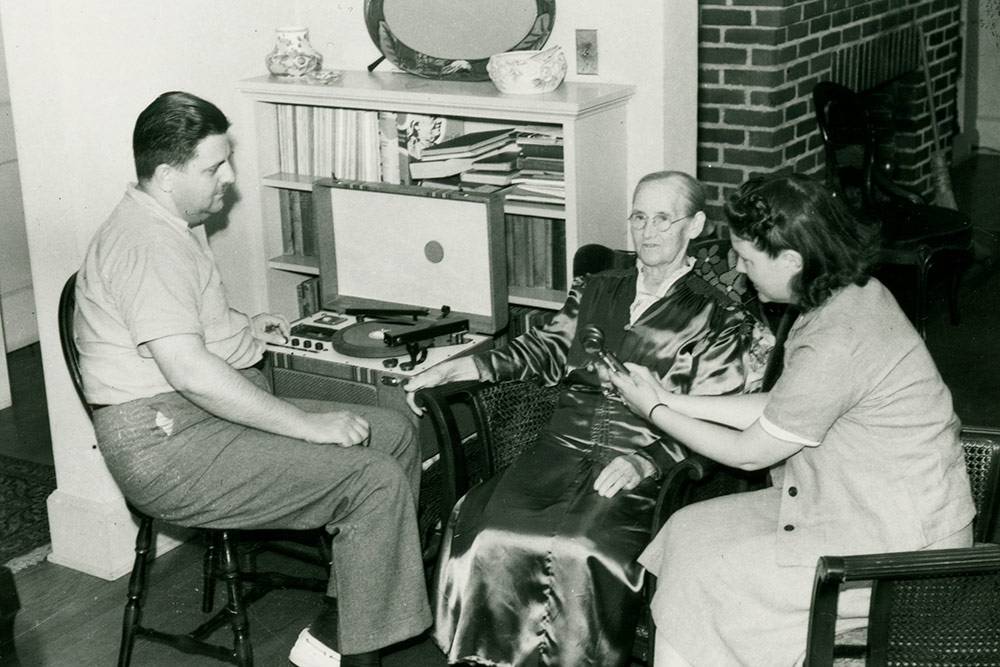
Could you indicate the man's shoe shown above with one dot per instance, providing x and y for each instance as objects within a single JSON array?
[{"x": 311, "y": 652}]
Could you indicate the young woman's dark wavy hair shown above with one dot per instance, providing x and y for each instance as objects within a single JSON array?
[{"x": 794, "y": 212}]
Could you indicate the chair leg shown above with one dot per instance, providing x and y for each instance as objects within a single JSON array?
[
  {"x": 920, "y": 319},
  {"x": 136, "y": 589},
  {"x": 242, "y": 649},
  {"x": 208, "y": 573},
  {"x": 953, "y": 285}
]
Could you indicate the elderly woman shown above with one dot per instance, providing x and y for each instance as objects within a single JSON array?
[
  {"x": 538, "y": 566},
  {"x": 859, "y": 418}
]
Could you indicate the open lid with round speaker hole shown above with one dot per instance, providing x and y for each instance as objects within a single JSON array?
[{"x": 405, "y": 246}]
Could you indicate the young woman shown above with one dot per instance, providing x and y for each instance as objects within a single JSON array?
[{"x": 859, "y": 428}]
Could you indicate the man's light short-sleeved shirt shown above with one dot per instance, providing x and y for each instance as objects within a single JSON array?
[
  {"x": 882, "y": 467},
  {"x": 147, "y": 275}
]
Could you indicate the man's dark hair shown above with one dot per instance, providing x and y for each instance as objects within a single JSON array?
[
  {"x": 794, "y": 212},
  {"x": 169, "y": 129}
]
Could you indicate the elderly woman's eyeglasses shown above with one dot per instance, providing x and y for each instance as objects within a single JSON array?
[{"x": 638, "y": 220}]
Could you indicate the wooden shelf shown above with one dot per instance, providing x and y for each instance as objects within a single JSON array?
[
  {"x": 289, "y": 181},
  {"x": 303, "y": 264},
  {"x": 463, "y": 99},
  {"x": 536, "y": 297},
  {"x": 536, "y": 209}
]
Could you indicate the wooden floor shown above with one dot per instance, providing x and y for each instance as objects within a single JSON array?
[{"x": 71, "y": 619}]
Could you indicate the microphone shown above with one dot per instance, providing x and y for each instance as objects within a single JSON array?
[{"x": 592, "y": 339}]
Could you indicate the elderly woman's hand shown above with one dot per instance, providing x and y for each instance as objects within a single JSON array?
[
  {"x": 623, "y": 473},
  {"x": 640, "y": 389}
]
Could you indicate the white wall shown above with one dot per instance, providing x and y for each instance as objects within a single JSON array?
[
  {"x": 80, "y": 73},
  {"x": 988, "y": 103},
  {"x": 17, "y": 303}
]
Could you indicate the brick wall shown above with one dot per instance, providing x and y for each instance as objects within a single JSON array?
[{"x": 758, "y": 63}]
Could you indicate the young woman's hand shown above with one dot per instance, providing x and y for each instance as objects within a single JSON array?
[{"x": 639, "y": 389}]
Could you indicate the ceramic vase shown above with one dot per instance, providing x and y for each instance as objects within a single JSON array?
[{"x": 293, "y": 55}]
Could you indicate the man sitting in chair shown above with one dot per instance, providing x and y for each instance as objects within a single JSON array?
[
  {"x": 187, "y": 425},
  {"x": 539, "y": 563}
]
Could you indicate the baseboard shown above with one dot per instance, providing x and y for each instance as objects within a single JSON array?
[
  {"x": 98, "y": 538},
  {"x": 989, "y": 131},
  {"x": 20, "y": 327}
]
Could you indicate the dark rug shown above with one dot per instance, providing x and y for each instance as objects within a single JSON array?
[{"x": 24, "y": 522}]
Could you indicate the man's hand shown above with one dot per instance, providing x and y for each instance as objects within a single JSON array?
[
  {"x": 339, "y": 427},
  {"x": 639, "y": 389},
  {"x": 453, "y": 370},
  {"x": 270, "y": 328},
  {"x": 623, "y": 473}
]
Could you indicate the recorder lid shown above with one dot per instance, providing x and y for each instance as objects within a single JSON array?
[{"x": 408, "y": 246}]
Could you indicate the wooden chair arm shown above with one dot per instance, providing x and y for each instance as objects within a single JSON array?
[
  {"x": 675, "y": 491},
  {"x": 438, "y": 404}
]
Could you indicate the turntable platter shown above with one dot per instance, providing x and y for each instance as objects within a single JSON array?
[{"x": 367, "y": 339}]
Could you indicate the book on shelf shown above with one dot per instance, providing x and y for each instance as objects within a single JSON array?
[
  {"x": 519, "y": 193},
  {"x": 322, "y": 144},
  {"x": 452, "y": 182},
  {"x": 554, "y": 151},
  {"x": 438, "y": 168},
  {"x": 308, "y": 223},
  {"x": 539, "y": 135},
  {"x": 540, "y": 252},
  {"x": 451, "y": 166},
  {"x": 308, "y": 295},
  {"x": 540, "y": 177},
  {"x": 388, "y": 147},
  {"x": 369, "y": 153},
  {"x": 503, "y": 161},
  {"x": 493, "y": 177},
  {"x": 544, "y": 164},
  {"x": 536, "y": 251},
  {"x": 303, "y": 140},
  {"x": 285, "y": 116},
  {"x": 469, "y": 145},
  {"x": 285, "y": 211},
  {"x": 298, "y": 230}
]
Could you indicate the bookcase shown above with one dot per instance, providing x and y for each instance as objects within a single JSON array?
[{"x": 590, "y": 117}]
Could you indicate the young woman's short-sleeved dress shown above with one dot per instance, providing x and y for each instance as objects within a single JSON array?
[{"x": 884, "y": 471}]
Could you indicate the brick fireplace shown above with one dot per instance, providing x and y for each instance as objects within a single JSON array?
[{"x": 759, "y": 60}]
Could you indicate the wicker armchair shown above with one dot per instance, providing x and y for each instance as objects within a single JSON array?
[
  {"x": 481, "y": 428},
  {"x": 928, "y": 607}
]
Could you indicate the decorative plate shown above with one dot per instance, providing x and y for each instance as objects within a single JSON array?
[{"x": 454, "y": 39}]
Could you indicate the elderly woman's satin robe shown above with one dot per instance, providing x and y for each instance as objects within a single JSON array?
[{"x": 536, "y": 565}]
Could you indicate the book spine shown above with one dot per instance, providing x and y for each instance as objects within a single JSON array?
[
  {"x": 286, "y": 137},
  {"x": 558, "y": 245},
  {"x": 303, "y": 140},
  {"x": 388, "y": 143},
  {"x": 308, "y": 224},
  {"x": 287, "y": 234},
  {"x": 322, "y": 141},
  {"x": 295, "y": 215}
]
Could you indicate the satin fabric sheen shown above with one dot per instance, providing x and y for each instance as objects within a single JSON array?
[{"x": 536, "y": 568}]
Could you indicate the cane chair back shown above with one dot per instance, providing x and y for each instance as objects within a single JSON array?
[{"x": 933, "y": 607}]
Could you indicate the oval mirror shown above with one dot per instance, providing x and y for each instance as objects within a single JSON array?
[{"x": 453, "y": 39}]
